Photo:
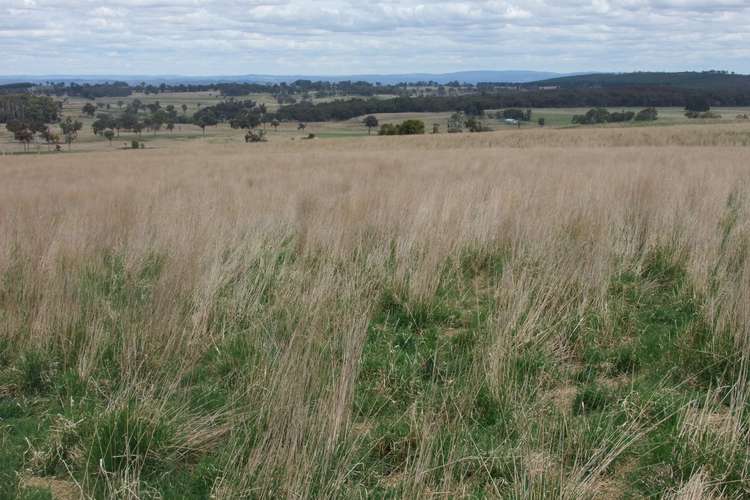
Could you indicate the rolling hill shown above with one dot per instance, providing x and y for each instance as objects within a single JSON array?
[{"x": 705, "y": 80}]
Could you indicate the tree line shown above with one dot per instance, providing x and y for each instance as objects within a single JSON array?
[
  {"x": 602, "y": 115},
  {"x": 236, "y": 89},
  {"x": 136, "y": 117},
  {"x": 15, "y": 88},
  {"x": 27, "y": 107},
  {"x": 475, "y": 104}
]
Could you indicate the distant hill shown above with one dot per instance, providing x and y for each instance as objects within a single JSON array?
[
  {"x": 472, "y": 77},
  {"x": 705, "y": 80}
]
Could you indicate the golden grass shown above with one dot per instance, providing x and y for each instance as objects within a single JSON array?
[{"x": 566, "y": 207}]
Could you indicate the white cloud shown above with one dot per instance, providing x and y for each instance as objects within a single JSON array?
[{"x": 351, "y": 36}]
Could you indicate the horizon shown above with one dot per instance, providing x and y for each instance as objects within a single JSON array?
[{"x": 513, "y": 76}]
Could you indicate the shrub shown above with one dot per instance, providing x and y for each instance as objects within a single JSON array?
[
  {"x": 647, "y": 115},
  {"x": 516, "y": 114},
  {"x": 475, "y": 125},
  {"x": 388, "y": 129},
  {"x": 255, "y": 136},
  {"x": 409, "y": 127},
  {"x": 622, "y": 116},
  {"x": 708, "y": 115},
  {"x": 593, "y": 116}
]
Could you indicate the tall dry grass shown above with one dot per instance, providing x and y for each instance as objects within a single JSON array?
[{"x": 131, "y": 269}]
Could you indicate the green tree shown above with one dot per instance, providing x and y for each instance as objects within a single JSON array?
[
  {"x": 102, "y": 122},
  {"x": 137, "y": 127},
  {"x": 249, "y": 119},
  {"x": 158, "y": 118},
  {"x": 206, "y": 120},
  {"x": 698, "y": 104},
  {"x": 109, "y": 134},
  {"x": 22, "y": 132},
  {"x": 50, "y": 137},
  {"x": 370, "y": 122},
  {"x": 88, "y": 109},
  {"x": 126, "y": 121},
  {"x": 263, "y": 112},
  {"x": 24, "y": 136},
  {"x": 593, "y": 116},
  {"x": 134, "y": 106},
  {"x": 456, "y": 123},
  {"x": 70, "y": 129}
]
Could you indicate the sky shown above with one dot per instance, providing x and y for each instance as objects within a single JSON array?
[{"x": 335, "y": 37}]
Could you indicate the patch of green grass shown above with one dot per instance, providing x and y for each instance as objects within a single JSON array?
[
  {"x": 658, "y": 338},
  {"x": 128, "y": 436},
  {"x": 36, "y": 372},
  {"x": 425, "y": 394},
  {"x": 21, "y": 422},
  {"x": 421, "y": 355},
  {"x": 35, "y": 494},
  {"x": 590, "y": 399}
]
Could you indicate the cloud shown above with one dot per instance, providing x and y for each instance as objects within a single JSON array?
[{"x": 348, "y": 36}]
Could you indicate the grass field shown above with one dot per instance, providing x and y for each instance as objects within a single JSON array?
[{"x": 518, "y": 314}]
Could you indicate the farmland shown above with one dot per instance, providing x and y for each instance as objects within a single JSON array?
[
  {"x": 287, "y": 131},
  {"x": 556, "y": 312}
]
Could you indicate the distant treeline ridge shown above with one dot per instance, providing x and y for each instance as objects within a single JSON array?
[{"x": 643, "y": 97}]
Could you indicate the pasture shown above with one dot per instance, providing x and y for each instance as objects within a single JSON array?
[
  {"x": 513, "y": 314},
  {"x": 87, "y": 141}
]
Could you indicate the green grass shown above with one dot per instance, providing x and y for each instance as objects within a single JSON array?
[{"x": 421, "y": 394}]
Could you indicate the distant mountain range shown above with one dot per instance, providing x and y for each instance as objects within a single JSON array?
[{"x": 442, "y": 78}]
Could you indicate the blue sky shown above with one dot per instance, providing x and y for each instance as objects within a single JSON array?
[{"x": 204, "y": 37}]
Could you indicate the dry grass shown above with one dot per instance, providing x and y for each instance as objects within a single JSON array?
[{"x": 138, "y": 273}]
